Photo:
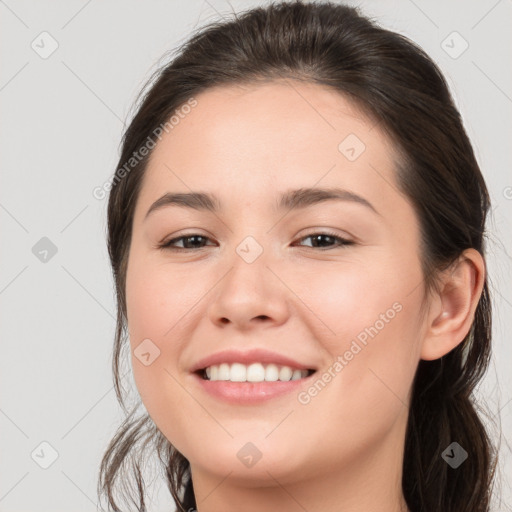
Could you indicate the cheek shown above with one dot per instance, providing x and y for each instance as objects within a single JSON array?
[
  {"x": 367, "y": 319},
  {"x": 160, "y": 307},
  {"x": 350, "y": 299},
  {"x": 159, "y": 299},
  {"x": 373, "y": 340}
]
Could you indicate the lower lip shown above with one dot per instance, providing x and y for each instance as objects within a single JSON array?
[{"x": 249, "y": 392}]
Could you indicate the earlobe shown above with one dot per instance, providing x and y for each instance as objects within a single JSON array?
[{"x": 459, "y": 292}]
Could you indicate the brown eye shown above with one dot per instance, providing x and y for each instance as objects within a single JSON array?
[
  {"x": 190, "y": 242},
  {"x": 326, "y": 241}
]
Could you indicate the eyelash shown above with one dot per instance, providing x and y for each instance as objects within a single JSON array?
[{"x": 342, "y": 241}]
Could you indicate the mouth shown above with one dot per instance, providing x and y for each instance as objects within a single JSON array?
[
  {"x": 254, "y": 372},
  {"x": 252, "y": 376}
]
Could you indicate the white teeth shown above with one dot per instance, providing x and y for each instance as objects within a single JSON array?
[
  {"x": 285, "y": 373},
  {"x": 297, "y": 374},
  {"x": 237, "y": 372},
  {"x": 271, "y": 373},
  {"x": 223, "y": 371},
  {"x": 255, "y": 372}
]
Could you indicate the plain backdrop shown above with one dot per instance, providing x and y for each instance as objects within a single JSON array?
[{"x": 69, "y": 75}]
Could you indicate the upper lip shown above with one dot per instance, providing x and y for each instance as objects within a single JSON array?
[{"x": 255, "y": 355}]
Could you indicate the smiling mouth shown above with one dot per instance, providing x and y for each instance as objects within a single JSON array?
[{"x": 255, "y": 372}]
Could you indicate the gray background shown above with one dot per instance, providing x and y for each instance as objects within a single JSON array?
[{"x": 62, "y": 120}]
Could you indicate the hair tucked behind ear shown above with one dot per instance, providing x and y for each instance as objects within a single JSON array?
[{"x": 397, "y": 85}]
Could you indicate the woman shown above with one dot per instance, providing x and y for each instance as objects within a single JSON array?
[{"x": 296, "y": 230}]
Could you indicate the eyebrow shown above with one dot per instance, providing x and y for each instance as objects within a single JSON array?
[{"x": 290, "y": 200}]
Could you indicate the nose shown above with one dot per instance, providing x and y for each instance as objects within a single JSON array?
[{"x": 250, "y": 295}]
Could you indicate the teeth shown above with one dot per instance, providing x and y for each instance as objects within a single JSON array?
[
  {"x": 297, "y": 374},
  {"x": 255, "y": 372},
  {"x": 285, "y": 373},
  {"x": 223, "y": 371},
  {"x": 272, "y": 373},
  {"x": 237, "y": 373}
]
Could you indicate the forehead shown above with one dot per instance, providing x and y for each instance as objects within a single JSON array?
[{"x": 258, "y": 138}]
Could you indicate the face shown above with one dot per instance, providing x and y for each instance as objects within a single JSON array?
[{"x": 333, "y": 284}]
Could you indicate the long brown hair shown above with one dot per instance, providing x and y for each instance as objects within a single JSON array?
[{"x": 399, "y": 86}]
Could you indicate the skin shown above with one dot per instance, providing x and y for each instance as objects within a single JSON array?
[{"x": 343, "y": 450}]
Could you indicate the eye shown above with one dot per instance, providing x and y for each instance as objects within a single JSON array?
[
  {"x": 191, "y": 242},
  {"x": 321, "y": 238}
]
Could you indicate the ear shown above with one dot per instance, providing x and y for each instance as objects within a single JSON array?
[{"x": 453, "y": 306}]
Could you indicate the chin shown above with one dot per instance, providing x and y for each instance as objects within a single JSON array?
[{"x": 254, "y": 464}]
